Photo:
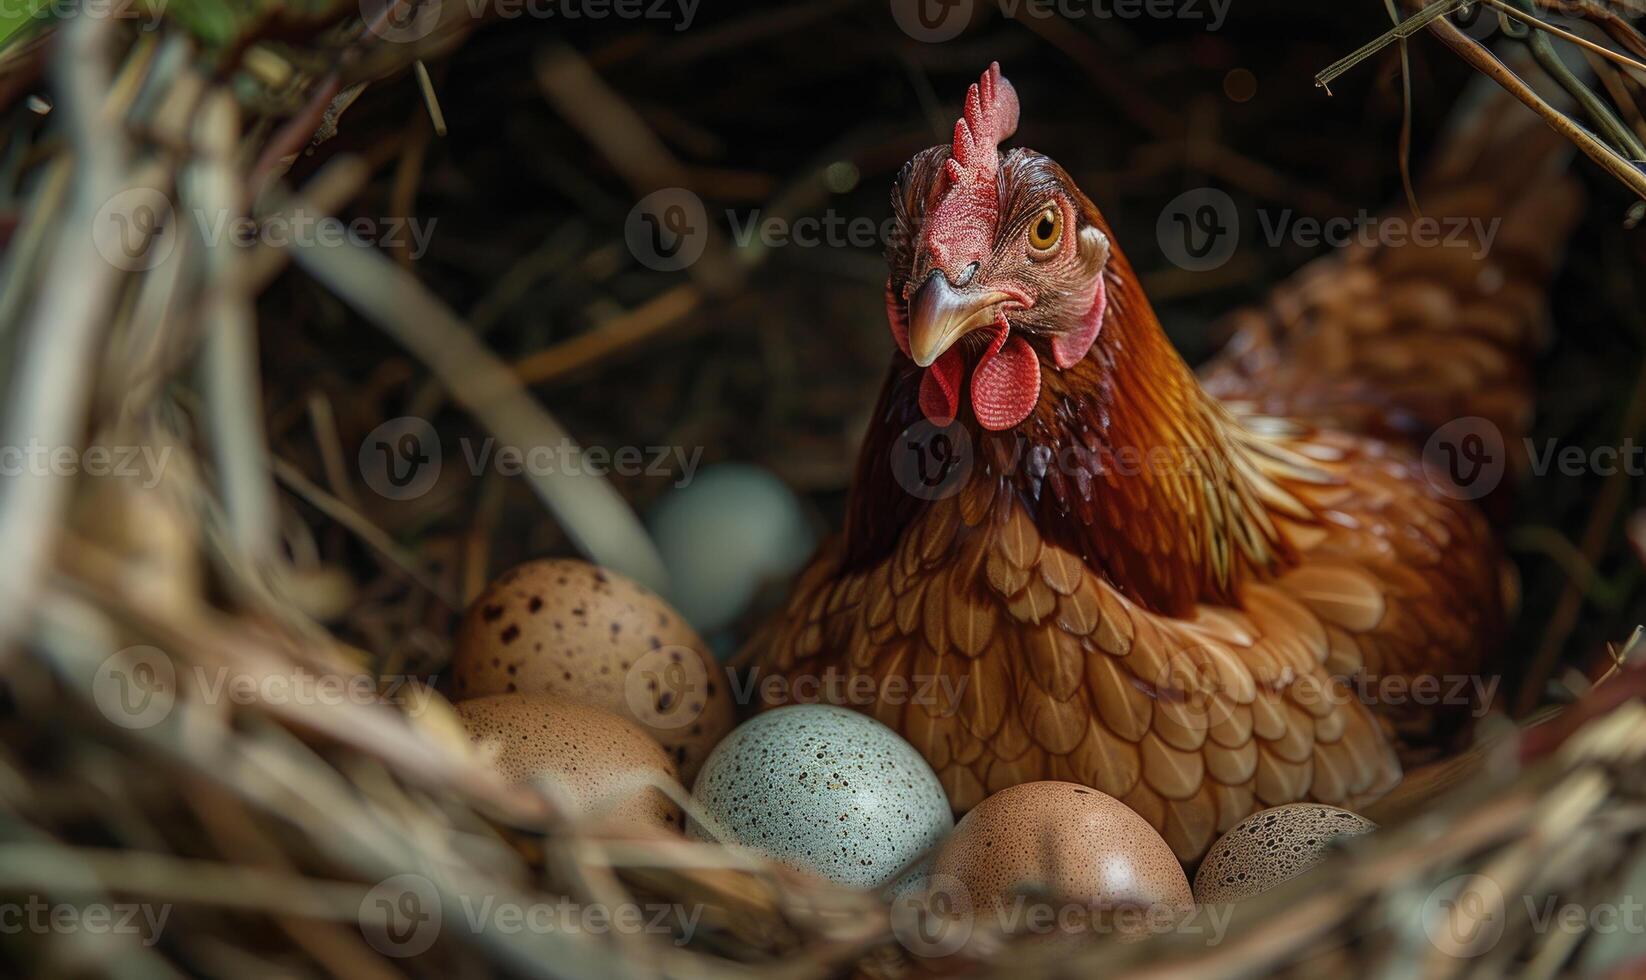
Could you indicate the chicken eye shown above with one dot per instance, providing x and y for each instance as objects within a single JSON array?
[{"x": 1046, "y": 230}]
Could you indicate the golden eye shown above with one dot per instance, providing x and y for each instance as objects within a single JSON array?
[{"x": 1046, "y": 230}]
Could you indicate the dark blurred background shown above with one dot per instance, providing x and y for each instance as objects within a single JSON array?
[{"x": 794, "y": 110}]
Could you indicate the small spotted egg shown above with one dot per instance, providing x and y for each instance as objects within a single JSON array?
[
  {"x": 1271, "y": 846},
  {"x": 602, "y": 765},
  {"x": 1067, "y": 849},
  {"x": 823, "y": 789},
  {"x": 725, "y": 534},
  {"x": 590, "y": 635}
]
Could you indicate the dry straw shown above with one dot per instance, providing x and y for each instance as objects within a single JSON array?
[{"x": 278, "y": 833}]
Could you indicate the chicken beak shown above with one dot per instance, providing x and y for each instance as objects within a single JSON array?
[{"x": 940, "y": 314}]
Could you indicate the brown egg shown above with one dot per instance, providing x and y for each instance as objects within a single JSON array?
[
  {"x": 1271, "y": 846},
  {"x": 603, "y": 764},
  {"x": 1059, "y": 859},
  {"x": 576, "y": 630}
]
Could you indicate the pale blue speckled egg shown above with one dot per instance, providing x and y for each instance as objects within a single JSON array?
[{"x": 826, "y": 790}]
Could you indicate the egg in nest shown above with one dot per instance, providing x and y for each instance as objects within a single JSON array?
[
  {"x": 1272, "y": 846},
  {"x": 588, "y": 634},
  {"x": 599, "y": 764},
  {"x": 826, "y": 790},
  {"x": 1058, "y": 859}
]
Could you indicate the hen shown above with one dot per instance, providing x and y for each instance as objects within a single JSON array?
[{"x": 1067, "y": 557}]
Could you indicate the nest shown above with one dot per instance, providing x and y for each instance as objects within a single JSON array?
[{"x": 157, "y": 617}]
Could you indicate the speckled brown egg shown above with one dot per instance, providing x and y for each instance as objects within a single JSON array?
[
  {"x": 581, "y": 632},
  {"x": 603, "y": 764},
  {"x": 1271, "y": 846},
  {"x": 1068, "y": 848}
]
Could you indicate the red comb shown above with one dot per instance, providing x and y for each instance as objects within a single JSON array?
[
  {"x": 990, "y": 117},
  {"x": 960, "y": 229}
]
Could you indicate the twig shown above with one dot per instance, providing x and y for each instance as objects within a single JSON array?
[
  {"x": 1583, "y": 42},
  {"x": 611, "y": 338},
  {"x": 1549, "y": 59},
  {"x": 1405, "y": 148},
  {"x": 1470, "y": 51},
  {"x": 1399, "y": 32},
  {"x": 431, "y": 101}
]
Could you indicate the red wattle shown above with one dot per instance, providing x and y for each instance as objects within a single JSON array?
[
  {"x": 1006, "y": 384},
  {"x": 1069, "y": 348},
  {"x": 940, "y": 388}
]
